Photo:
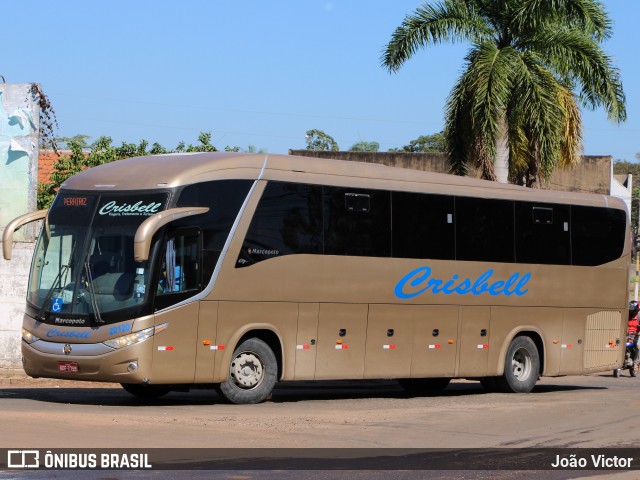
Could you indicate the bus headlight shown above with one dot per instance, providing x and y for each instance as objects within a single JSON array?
[
  {"x": 133, "y": 338},
  {"x": 29, "y": 337}
]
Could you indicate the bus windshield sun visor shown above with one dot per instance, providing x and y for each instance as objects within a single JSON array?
[
  {"x": 15, "y": 224},
  {"x": 145, "y": 232}
]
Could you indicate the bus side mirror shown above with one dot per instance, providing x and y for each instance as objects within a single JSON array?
[
  {"x": 146, "y": 230},
  {"x": 15, "y": 224}
]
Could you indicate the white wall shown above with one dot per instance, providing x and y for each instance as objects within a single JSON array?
[
  {"x": 13, "y": 290},
  {"x": 19, "y": 133}
]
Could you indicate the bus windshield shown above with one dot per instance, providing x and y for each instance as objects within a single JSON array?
[{"x": 84, "y": 262}]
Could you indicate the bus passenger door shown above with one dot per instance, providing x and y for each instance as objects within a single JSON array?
[
  {"x": 179, "y": 278},
  {"x": 306, "y": 342},
  {"x": 473, "y": 359},
  {"x": 342, "y": 330},
  {"x": 435, "y": 340}
]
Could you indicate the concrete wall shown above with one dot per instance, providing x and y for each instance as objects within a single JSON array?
[
  {"x": 592, "y": 174},
  {"x": 13, "y": 286},
  {"x": 19, "y": 134}
]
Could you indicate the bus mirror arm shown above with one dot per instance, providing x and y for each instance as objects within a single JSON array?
[
  {"x": 15, "y": 224},
  {"x": 146, "y": 230}
]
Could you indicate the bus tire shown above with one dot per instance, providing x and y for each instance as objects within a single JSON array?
[
  {"x": 521, "y": 367},
  {"x": 146, "y": 392},
  {"x": 252, "y": 373},
  {"x": 425, "y": 386}
]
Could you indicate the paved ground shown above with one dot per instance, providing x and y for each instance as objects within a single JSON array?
[{"x": 594, "y": 411}]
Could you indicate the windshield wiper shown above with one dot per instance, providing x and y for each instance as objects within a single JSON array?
[
  {"x": 63, "y": 271},
  {"x": 92, "y": 292}
]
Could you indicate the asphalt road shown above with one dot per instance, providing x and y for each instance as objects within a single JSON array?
[{"x": 567, "y": 414}]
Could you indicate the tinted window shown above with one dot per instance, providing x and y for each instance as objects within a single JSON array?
[
  {"x": 357, "y": 222},
  {"x": 224, "y": 199},
  {"x": 130, "y": 209},
  {"x": 179, "y": 276},
  {"x": 597, "y": 234},
  {"x": 72, "y": 210},
  {"x": 423, "y": 226},
  {"x": 542, "y": 233},
  {"x": 288, "y": 220},
  {"x": 484, "y": 229}
]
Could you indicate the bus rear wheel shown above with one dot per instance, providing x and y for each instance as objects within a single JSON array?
[
  {"x": 521, "y": 367},
  {"x": 146, "y": 392},
  {"x": 252, "y": 373}
]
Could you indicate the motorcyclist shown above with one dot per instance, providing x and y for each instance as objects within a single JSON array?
[{"x": 633, "y": 330}]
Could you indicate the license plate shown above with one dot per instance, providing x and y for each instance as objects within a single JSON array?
[{"x": 68, "y": 367}]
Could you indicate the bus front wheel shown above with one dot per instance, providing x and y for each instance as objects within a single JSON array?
[
  {"x": 252, "y": 373},
  {"x": 521, "y": 368}
]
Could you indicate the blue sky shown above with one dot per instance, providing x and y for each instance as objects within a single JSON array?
[{"x": 258, "y": 73}]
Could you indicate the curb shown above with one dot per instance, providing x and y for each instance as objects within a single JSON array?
[{"x": 28, "y": 382}]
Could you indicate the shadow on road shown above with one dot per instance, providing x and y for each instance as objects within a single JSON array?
[{"x": 283, "y": 393}]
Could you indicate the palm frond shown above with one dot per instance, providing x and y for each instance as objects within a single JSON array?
[
  {"x": 587, "y": 16},
  {"x": 571, "y": 138},
  {"x": 450, "y": 21},
  {"x": 577, "y": 58}
]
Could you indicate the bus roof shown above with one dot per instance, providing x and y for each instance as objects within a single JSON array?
[{"x": 177, "y": 169}]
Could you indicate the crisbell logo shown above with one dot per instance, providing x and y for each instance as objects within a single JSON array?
[
  {"x": 23, "y": 459},
  {"x": 420, "y": 281}
]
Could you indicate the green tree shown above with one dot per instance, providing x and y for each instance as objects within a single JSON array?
[
  {"x": 65, "y": 142},
  {"x": 364, "y": 146},
  {"x": 254, "y": 149},
  {"x": 204, "y": 144},
  {"x": 102, "y": 151},
  {"x": 513, "y": 113},
  {"x": 425, "y": 143},
  {"x": 318, "y": 140}
]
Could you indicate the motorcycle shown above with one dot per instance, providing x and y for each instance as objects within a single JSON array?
[{"x": 629, "y": 363}]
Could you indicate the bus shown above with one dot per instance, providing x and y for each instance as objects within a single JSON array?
[{"x": 235, "y": 271}]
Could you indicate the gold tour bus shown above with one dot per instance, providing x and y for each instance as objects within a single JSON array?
[{"x": 235, "y": 271}]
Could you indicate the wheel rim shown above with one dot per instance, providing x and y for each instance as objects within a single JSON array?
[
  {"x": 247, "y": 370},
  {"x": 521, "y": 364}
]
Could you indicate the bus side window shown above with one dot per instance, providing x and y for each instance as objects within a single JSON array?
[
  {"x": 542, "y": 233},
  {"x": 180, "y": 266},
  {"x": 357, "y": 222}
]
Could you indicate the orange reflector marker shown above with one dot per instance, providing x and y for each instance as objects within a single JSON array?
[
  {"x": 451, "y": 342},
  {"x": 206, "y": 342},
  {"x": 555, "y": 341},
  {"x": 338, "y": 342}
]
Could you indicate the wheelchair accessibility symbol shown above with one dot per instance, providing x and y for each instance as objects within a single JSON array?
[{"x": 56, "y": 305}]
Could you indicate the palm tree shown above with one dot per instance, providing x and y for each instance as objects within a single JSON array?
[{"x": 514, "y": 113}]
